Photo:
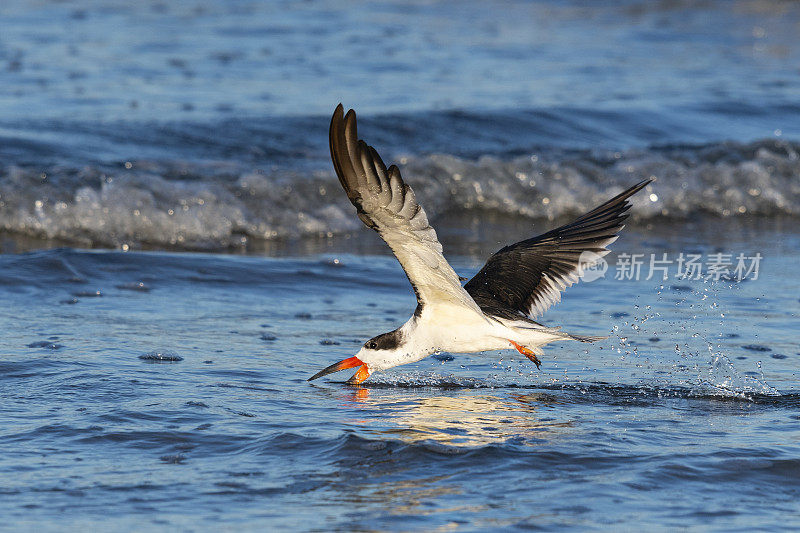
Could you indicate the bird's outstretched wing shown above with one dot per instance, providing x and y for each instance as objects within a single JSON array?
[
  {"x": 526, "y": 278},
  {"x": 387, "y": 205}
]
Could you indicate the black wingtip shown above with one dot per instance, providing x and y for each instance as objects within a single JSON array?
[
  {"x": 335, "y": 120},
  {"x": 641, "y": 185},
  {"x": 349, "y": 117},
  {"x": 337, "y": 117},
  {"x": 615, "y": 207},
  {"x": 636, "y": 188},
  {"x": 633, "y": 190},
  {"x": 338, "y": 112}
]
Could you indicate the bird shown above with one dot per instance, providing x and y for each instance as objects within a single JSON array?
[{"x": 494, "y": 310}]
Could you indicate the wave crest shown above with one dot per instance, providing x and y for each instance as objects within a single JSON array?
[{"x": 213, "y": 206}]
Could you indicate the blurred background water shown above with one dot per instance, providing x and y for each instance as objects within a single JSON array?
[{"x": 152, "y": 378}]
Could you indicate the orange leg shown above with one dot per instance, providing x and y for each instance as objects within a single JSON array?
[
  {"x": 527, "y": 353},
  {"x": 360, "y": 376}
]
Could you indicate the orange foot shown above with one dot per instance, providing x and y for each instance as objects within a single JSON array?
[
  {"x": 360, "y": 376},
  {"x": 526, "y": 352}
]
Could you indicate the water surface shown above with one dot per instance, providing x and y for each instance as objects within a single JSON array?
[
  {"x": 682, "y": 417},
  {"x": 152, "y": 379}
]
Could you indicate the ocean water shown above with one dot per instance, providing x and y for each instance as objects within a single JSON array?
[
  {"x": 203, "y": 125},
  {"x": 177, "y": 258},
  {"x": 686, "y": 416}
]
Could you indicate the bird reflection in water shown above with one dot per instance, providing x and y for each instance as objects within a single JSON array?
[{"x": 463, "y": 417}]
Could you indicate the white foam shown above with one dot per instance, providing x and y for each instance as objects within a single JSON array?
[{"x": 216, "y": 206}]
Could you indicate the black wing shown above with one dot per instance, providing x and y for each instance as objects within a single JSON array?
[
  {"x": 387, "y": 205},
  {"x": 526, "y": 278}
]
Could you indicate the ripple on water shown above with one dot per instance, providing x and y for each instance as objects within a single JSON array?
[
  {"x": 45, "y": 344},
  {"x": 133, "y": 286},
  {"x": 757, "y": 348},
  {"x": 161, "y": 357}
]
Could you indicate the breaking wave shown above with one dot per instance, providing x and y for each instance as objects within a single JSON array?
[{"x": 211, "y": 205}]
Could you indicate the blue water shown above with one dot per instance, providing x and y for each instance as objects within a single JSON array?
[
  {"x": 110, "y": 59},
  {"x": 682, "y": 418},
  {"x": 177, "y": 258},
  {"x": 204, "y": 125}
]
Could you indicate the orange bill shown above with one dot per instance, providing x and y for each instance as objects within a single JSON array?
[
  {"x": 350, "y": 362},
  {"x": 360, "y": 376}
]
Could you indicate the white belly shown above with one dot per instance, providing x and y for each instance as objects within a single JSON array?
[
  {"x": 452, "y": 328},
  {"x": 455, "y": 329}
]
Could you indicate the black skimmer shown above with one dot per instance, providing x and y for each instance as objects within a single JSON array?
[{"x": 492, "y": 311}]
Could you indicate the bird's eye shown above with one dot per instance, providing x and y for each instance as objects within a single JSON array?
[{"x": 372, "y": 345}]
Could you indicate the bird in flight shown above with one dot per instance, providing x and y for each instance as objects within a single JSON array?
[{"x": 492, "y": 311}]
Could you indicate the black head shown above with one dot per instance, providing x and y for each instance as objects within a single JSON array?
[{"x": 385, "y": 341}]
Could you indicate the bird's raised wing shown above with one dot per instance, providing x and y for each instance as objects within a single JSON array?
[
  {"x": 526, "y": 278},
  {"x": 387, "y": 205}
]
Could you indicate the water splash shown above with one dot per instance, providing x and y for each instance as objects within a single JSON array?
[
  {"x": 694, "y": 328},
  {"x": 722, "y": 378},
  {"x": 427, "y": 379}
]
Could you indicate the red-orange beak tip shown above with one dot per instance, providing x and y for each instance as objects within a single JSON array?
[{"x": 360, "y": 376}]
